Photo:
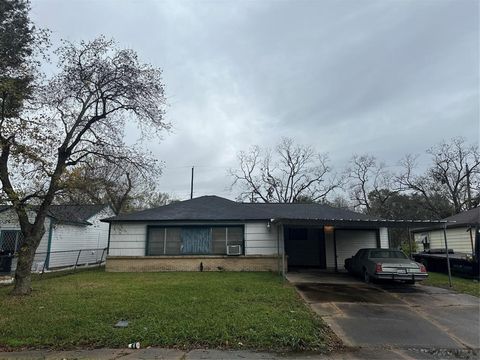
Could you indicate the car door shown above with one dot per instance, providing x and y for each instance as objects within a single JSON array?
[
  {"x": 362, "y": 261},
  {"x": 356, "y": 266}
]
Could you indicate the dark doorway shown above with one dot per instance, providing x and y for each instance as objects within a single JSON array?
[{"x": 305, "y": 247}]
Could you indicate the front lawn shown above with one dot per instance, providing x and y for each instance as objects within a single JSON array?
[
  {"x": 187, "y": 310},
  {"x": 462, "y": 285}
]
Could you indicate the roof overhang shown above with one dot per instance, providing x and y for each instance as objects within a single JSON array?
[
  {"x": 159, "y": 221},
  {"x": 449, "y": 225},
  {"x": 363, "y": 223}
]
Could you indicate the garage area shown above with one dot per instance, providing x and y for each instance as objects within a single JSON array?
[
  {"x": 349, "y": 241},
  {"x": 327, "y": 247},
  {"x": 393, "y": 314}
]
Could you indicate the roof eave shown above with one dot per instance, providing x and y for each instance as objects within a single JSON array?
[
  {"x": 363, "y": 222},
  {"x": 111, "y": 220},
  {"x": 449, "y": 225}
]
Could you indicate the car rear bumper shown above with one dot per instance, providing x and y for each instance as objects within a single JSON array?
[{"x": 395, "y": 276}]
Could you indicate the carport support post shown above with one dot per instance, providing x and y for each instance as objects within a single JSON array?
[
  {"x": 280, "y": 271},
  {"x": 471, "y": 240},
  {"x": 448, "y": 257},
  {"x": 410, "y": 242},
  {"x": 335, "y": 250}
]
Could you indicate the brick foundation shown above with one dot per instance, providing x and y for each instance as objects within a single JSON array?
[{"x": 192, "y": 263}]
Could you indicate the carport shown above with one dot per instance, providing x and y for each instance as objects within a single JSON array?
[{"x": 325, "y": 243}]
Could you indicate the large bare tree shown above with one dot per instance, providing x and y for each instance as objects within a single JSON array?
[
  {"x": 124, "y": 186},
  {"x": 290, "y": 173},
  {"x": 368, "y": 180},
  {"x": 76, "y": 116},
  {"x": 454, "y": 174}
]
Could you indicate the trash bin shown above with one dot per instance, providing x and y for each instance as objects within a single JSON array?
[{"x": 5, "y": 262}]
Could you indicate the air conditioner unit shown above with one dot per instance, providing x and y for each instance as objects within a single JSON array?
[{"x": 234, "y": 250}]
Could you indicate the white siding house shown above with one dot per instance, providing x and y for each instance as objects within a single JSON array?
[
  {"x": 459, "y": 239},
  {"x": 73, "y": 233},
  {"x": 129, "y": 239},
  {"x": 189, "y": 235},
  {"x": 462, "y": 233}
]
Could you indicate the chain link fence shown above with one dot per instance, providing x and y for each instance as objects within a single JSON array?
[
  {"x": 54, "y": 260},
  {"x": 10, "y": 241}
]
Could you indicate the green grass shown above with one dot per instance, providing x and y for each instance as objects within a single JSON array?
[
  {"x": 184, "y": 310},
  {"x": 461, "y": 285}
]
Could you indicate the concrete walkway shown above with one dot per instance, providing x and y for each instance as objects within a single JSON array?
[{"x": 170, "y": 354}]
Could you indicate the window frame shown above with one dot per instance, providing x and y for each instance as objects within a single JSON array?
[{"x": 149, "y": 227}]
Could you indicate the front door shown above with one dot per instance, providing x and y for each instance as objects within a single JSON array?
[{"x": 305, "y": 247}]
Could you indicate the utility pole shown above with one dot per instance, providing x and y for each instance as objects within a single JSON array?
[
  {"x": 191, "y": 184},
  {"x": 469, "y": 193}
]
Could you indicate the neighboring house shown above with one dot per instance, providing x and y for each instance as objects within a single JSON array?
[
  {"x": 213, "y": 233},
  {"x": 68, "y": 229},
  {"x": 462, "y": 233}
]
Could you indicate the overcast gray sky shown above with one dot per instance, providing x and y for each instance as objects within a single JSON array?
[{"x": 384, "y": 77}]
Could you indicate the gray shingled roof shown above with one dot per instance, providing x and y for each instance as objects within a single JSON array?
[
  {"x": 298, "y": 211},
  {"x": 78, "y": 214},
  {"x": 214, "y": 208},
  {"x": 74, "y": 214},
  {"x": 463, "y": 219},
  {"x": 202, "y": 208},
  {"x": 469, "y": 217}
]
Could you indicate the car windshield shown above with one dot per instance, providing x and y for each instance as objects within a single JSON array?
[{"x": 387, "y": 254}]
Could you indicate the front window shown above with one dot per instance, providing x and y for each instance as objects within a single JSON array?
[{"x": 193, "y": 240}]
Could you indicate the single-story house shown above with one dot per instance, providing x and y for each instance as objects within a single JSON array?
[
  {"x": 73, "y": 234},
  {"x": 213, "y": 233},
  {"x": 462, "y": 232}
]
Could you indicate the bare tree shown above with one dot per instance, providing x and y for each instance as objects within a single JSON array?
[
  {"x": 454, "y": 174},
  {"x": 76, "y": 116},
  {"x": 154, "y": 200},
  {"x": 367, "y": 180},
  {"x": 122, "y": 185},
  {"x": 288, "y": 174}
]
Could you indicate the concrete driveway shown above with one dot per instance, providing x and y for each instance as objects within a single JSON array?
[{"x": 392, "y": 315}]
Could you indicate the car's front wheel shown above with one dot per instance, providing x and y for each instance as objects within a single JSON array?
[{"x": 366, "y": 276}]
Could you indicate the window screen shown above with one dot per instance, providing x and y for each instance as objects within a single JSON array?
[
  {"x": 156, "y": 243},
  {"x": 196, "y": 241},
  {"x": 193, "y": 240},
  {"x": 235, "y": 235},
  {"x": 219, "y": 241}
]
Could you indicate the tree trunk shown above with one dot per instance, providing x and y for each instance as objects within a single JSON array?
[{"x": 23, "y": 273}]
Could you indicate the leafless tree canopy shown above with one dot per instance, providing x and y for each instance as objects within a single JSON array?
[
  {"x": 454, "y": 175},
  {"x": 76, "y": 117},
  {"x": 367, "y": 178},
  {"x": 288, "y": 174},
  {"x": 123, "y": 186}
]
